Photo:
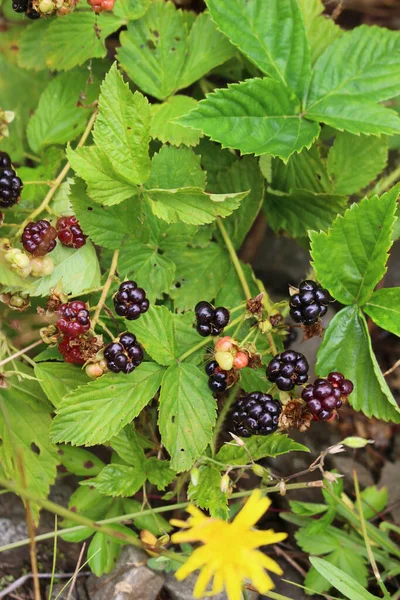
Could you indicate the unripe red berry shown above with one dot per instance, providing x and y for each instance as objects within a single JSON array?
[
  {"x": 224, "y": 344},
  {"x": 241, "y": 360}
]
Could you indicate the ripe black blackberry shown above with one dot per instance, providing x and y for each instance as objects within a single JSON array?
[
  {"x": 31, "y": 13},
  {"x": 310, "y": 304},
  {"x": 288, "y": 369},
  {"x": 217, "y": 378},
  {"x": 210, "y": 320},
  {"x": 10, "y": 184},
  {"x": 20, "y": 6},
  {"x": 325, "y": 396},
  {"x": 124, "y": 355},
  {"x": 39, "y": 238},
  {"x": 256, "y": 414},
  {"x": 130, "y": 301}
]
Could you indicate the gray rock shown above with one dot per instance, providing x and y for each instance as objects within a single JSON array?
[
  {"x": 78, "y": 593},
  {"x": 130, "y": 579},
  {"x": 12, "y": 530},
  {"x": 182, "y": 590}
]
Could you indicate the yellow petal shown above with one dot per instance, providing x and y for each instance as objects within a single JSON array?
[
  {"x": 269, "y": 563},
  {"x": 195, "y": 512},
  {"x": 197, "y": 559},
  {"x": 179, "y": 523},
  {"x": 218, "y": 584},
  {"x": 202, "y": 581},
  {"x": 252, "y": 511},
  {"x": 233, "y": 584},
  {"x": 259, "y": 578},
  {"x": 263, "y": 538}
]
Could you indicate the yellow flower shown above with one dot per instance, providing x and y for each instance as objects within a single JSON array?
[{"x": 229, "y": 553}]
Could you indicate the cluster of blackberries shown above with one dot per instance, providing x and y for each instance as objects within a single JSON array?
[
  {"x": 217, "y": 378},
  {"x": 324, "y": 396},
  {"x": 210, "y": 320},
  {"x": 73, "y": 318},
  {"x": 71, "y": 350},
  {"x": 256, "y": 414},
  {"x": 10, "y": 184},
  {"x": 130, "y": 301},
  {"x": 70, "y": 233},
  {"x": 39, "y": 238},
  {"x": 25, "y": 6},
  {"x": 288, "y": 369},
  {"x": 310, "y": 304},
  {"x": 124, "y": 355}
]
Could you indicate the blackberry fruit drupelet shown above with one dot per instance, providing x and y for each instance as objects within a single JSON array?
[
  {"x": 288, "y": 369},
  {"x": 39, "y": 238},
  {"x": 10, "y": 184},
  {"x": 325, "y": 396},
  {"x": 217, "y": 378},
  {"x": 73, "y": 318},
  {"x": 256, "y": 414},
  {"x": 130, "y": 301},
  {"x": 70, "y": 349},
  {"x": 310, "y": 304},
  {"x": 70, "y": 233},
  {"x": 210, "y": 320},
  {"x": 125, "y": 355}
]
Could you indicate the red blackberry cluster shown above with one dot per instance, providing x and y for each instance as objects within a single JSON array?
[
  {"x": 256, "y": 414},
  {"x": 325, "y": 396},
  {"x": 124, "y": 355},
  {"x": 10, "y": 184},
  {"x": 70, "y": 233},
  {"x": 210, "y": 320},
  {"x": 73, "y": 318},
  {"x": 101, "y": 5},
  {"x": 217, "y": 381},
  {"x": 310, "y": 304},
  {"x": 39, "y": 238},
  {"x": 130, "y": 301},
  {"x": 288, "y": 369},
  {"x": 70, "y": 349}
]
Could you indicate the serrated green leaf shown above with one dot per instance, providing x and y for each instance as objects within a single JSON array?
[
  {"x": 341, "y": 581},
  {"x": 122, "y": 128},
  {"x": 359, "y": 69},
  {"x": 31, "y": 53},
  {"x": 76, "y": 270},
  {"x": 303, "y": 171},
  {"x": 58, "y": 379},
  {"x": 187, "y": 414},
  {"x": 355, "y": 161},
  {"x": 254, "y": 379},
  {"x": 207, "y": 493},
  {"x": 271, "y": 34},
  {"x": 148, "y": 267},
  {"x": 186, "y": 337},
  {"x": 59, "y": 118},
  {"x": 173, "y": 168},
  {"x": 25, "y": 419},
  {"x": 300, "y": 210},
  {"x": 158, "y": 472},
  {"x": 90, "y": 503},
  {"x": 206, "y": 49},
  {"x": 200, "y": 274},
  {"x": 105, "y": 186},
  {"x": 321, "y": 30},
  {"x": 118, "y": 480},
  {"x": 248, "y": 115},
  {"x": 126, "y": 444},
  {"x": 346, "y": 347},
  {"x": 93, "y": 414},
  {"x": 384, "y": 309},
  {"x": 131, "y": 9},
  {"x": 307, "y": 509},
  {"x": 85, "y": 32},
  {"x": 165, "y": 130},
  {"x": 79, "y": 461},
  {"x": 154, "y": 331},
  {"x": 259, "y": 447},
  {"x": 360, "y": 240},
  {"x": 153, "y": 49}
]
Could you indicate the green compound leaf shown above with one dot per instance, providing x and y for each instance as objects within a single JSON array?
[
  {"x": 85, "y": 32},
  {"x": 25, "y": 419},
  {"x": 207, "y": 493},
  {"x": 59, "y": 379},
  {"x": 304, "y": 171},
  {"x": 384, "y": 309},
  {"x": 122, "y": 128},
  {"x": 248, "y": 115},
  {"x": 359, "y": 69},
  {"x": 300, "y": 210},
  {"x": 155, "y": 332},
  {"x": 31, "y": 53},
  {"x": 79, "y": 461},
  {"x": 186, "y": 415},
  {"x": 105, "y": 186},
  {"x": 346, "y": 347},
  {"x": 153, "y": 49},
  {"x": 131, "y": 9},
  {"x": 59, "y": 118},
  {"x": 259, "y": 447},
  {"x": 321, "y": 30},
  {"x": 118, "y": 480},
  {"x": 96, "y": 412},
  {"x": 163, "y": 115},
  {"x": 354, "y": 161},
  {"x": 360, "y": 240},
  {"x": 271, "y": 34},
  {"x": 159, "y": 473}
]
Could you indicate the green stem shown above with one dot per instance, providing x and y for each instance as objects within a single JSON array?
[
  {"x": 234, "y": 259},
  {"x": 103, "y": 297},
  {"x": 206, "y": 341},
  {"x": 221, "y": 418}
]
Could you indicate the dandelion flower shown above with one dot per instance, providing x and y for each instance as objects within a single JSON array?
[{"x": 229, "y": 552}]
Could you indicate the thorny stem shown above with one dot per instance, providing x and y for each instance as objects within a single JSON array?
[
  {"x": 21, "y": 352},
  {"x": 59, "y": 179},
  {"x": 234, "y": 259},
  {"x": 221, "y": 418},
  {"x": 111, "y": 273}
]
